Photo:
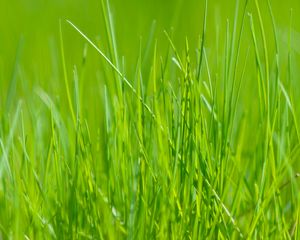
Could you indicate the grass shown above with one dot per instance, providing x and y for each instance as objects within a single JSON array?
[{"x": 186, "y": 141}]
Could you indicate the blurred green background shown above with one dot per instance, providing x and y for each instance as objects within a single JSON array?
[{"x": 36, "y": 25}]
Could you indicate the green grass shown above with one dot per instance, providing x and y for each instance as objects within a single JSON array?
[{"x": 188, "y": 136}]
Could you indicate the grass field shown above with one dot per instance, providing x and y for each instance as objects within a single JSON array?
[{"x": 149, "y": 119}]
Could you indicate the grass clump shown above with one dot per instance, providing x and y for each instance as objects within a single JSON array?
[{"x": 193, "y": 143}]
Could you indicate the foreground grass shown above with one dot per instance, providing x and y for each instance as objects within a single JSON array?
[{"x": 194, "y": 149}]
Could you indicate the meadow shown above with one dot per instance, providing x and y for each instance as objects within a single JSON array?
[{"x": 127, "y": 119}]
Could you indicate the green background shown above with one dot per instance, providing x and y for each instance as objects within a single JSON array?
[{"x": 37, "y": 23}]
